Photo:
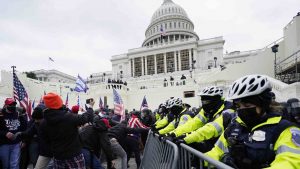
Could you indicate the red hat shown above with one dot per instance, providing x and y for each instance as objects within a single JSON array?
[
  {"x": 53, "y": 101},
  {"x": 75, "y": 109},
  {"x": 10, "y": 101}
]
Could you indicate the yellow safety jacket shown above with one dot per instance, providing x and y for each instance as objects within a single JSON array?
[
  {"x": 162, "y": 122},
  {"x": 157, "y": 117},
  {"x": 183, "y": 118},
  {"x": 286, "y": 147},
  {"x": 210, "y": 130},
  {"x": 198, "y": 121}
]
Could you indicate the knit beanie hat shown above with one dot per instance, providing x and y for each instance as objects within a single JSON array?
[{"x": 53, "y": 101}]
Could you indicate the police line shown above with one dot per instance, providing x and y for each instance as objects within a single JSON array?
[{"x": 167, "y": 155}]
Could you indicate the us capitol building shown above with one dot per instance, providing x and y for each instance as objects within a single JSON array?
[
  {"x": 171, "y": 45},
  {"x": 173, "y": 61}
]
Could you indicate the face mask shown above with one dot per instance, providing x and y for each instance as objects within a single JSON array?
[
  {"x": 295, "y": 112},
  {"x": 249, "y": 116},
  {"x": 11, "y": 108},
  {"x": 161, "y": 110},
  {"x": 176, "y": 110},
  {"x": 209, "y": 106}
]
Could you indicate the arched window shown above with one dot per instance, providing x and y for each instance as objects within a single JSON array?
[
  {"x": 166, "y": 26},
  {"x": 170, "y": 25},
  {"x": 178, "y": 24},
  {"x": 169, "y": 10},
  {"x": 174, "y": 24}
]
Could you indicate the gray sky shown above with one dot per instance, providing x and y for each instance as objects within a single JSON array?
[{"x": 82, "y": 35}]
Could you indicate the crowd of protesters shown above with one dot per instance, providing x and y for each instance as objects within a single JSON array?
[{"x": 60, "y": 138}]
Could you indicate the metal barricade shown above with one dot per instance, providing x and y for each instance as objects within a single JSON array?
[
  {"x": 185, "y": 159},
  {"x": 166, "y": 155},
  {"x": 159, "y": 155}
]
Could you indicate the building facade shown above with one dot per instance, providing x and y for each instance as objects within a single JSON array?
[
  {"x": 170, "y": 45},
  {"x": 53, "y": 76}
]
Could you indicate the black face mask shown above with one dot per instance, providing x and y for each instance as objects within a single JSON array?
[
  {"x": 249, "y": 116},
  {"x": 161, "y": 110},
  {"x": 295, "y": 112},
  {"x": 176, "y": 110},
  {"x": 11, "y": 108},
  {"x": 210, "y": 106}
]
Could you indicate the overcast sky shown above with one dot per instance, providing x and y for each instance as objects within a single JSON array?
[{"x": 82, "y": 35}]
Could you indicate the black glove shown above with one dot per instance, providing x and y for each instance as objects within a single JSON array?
[
  {"x": 179, "y": 141},
  {"x": 227, "y": 159},
  {"x": 172, "y": 135},
  {"x": 153, "y": 127},
  {"x": 161, "y": 137},
  {"x": 154, "y": 132}
]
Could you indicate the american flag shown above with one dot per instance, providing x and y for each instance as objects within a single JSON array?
[
  {"x": 144, "y": 104},
  {"x": 67, "y": 101},
  {"x": 21, "y": 95},
  {"x": 100, "y": 103},
  {"x": 118, "y": 103}
]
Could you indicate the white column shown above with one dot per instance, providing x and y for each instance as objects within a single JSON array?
[
  {"x": 146, "y": 66},
  {"x": 133, "y": 69},
  {"x": 155, "y": 65},
  {"x": 179, "y": 61},
  {"x": 175, "y": 62},
  {"x": 142, "y": 59},
  {"x": 165, "y": 62},
  {"x": 190, "y": 57}
]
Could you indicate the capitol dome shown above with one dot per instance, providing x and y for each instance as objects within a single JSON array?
[{"x": 169, "y": 20}]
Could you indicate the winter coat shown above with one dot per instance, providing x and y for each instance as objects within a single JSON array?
[{"x": 60, "y": 131}]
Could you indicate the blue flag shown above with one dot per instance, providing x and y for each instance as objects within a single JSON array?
[{"x": 80, "y": 85}]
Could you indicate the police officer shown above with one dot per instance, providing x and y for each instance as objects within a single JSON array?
[
  {"x": 164, "y": 118},
  {"x": 258, "y": 137},
  {"x": 293, "y": 108},
  {"x": 181, "y": 115},
  {"x": 212, "y": 107}
]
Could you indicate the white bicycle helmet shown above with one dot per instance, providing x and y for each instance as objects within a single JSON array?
[
  {"x": 249, "y": 85},
  {"x": 211, "y": 91},
  {"x": 174, "y": 102}
]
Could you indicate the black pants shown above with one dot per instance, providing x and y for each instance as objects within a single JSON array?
[{"x": 132, "y": 145}]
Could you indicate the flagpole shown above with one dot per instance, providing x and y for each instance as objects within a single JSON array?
[{"x": 13, "y": 67}]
